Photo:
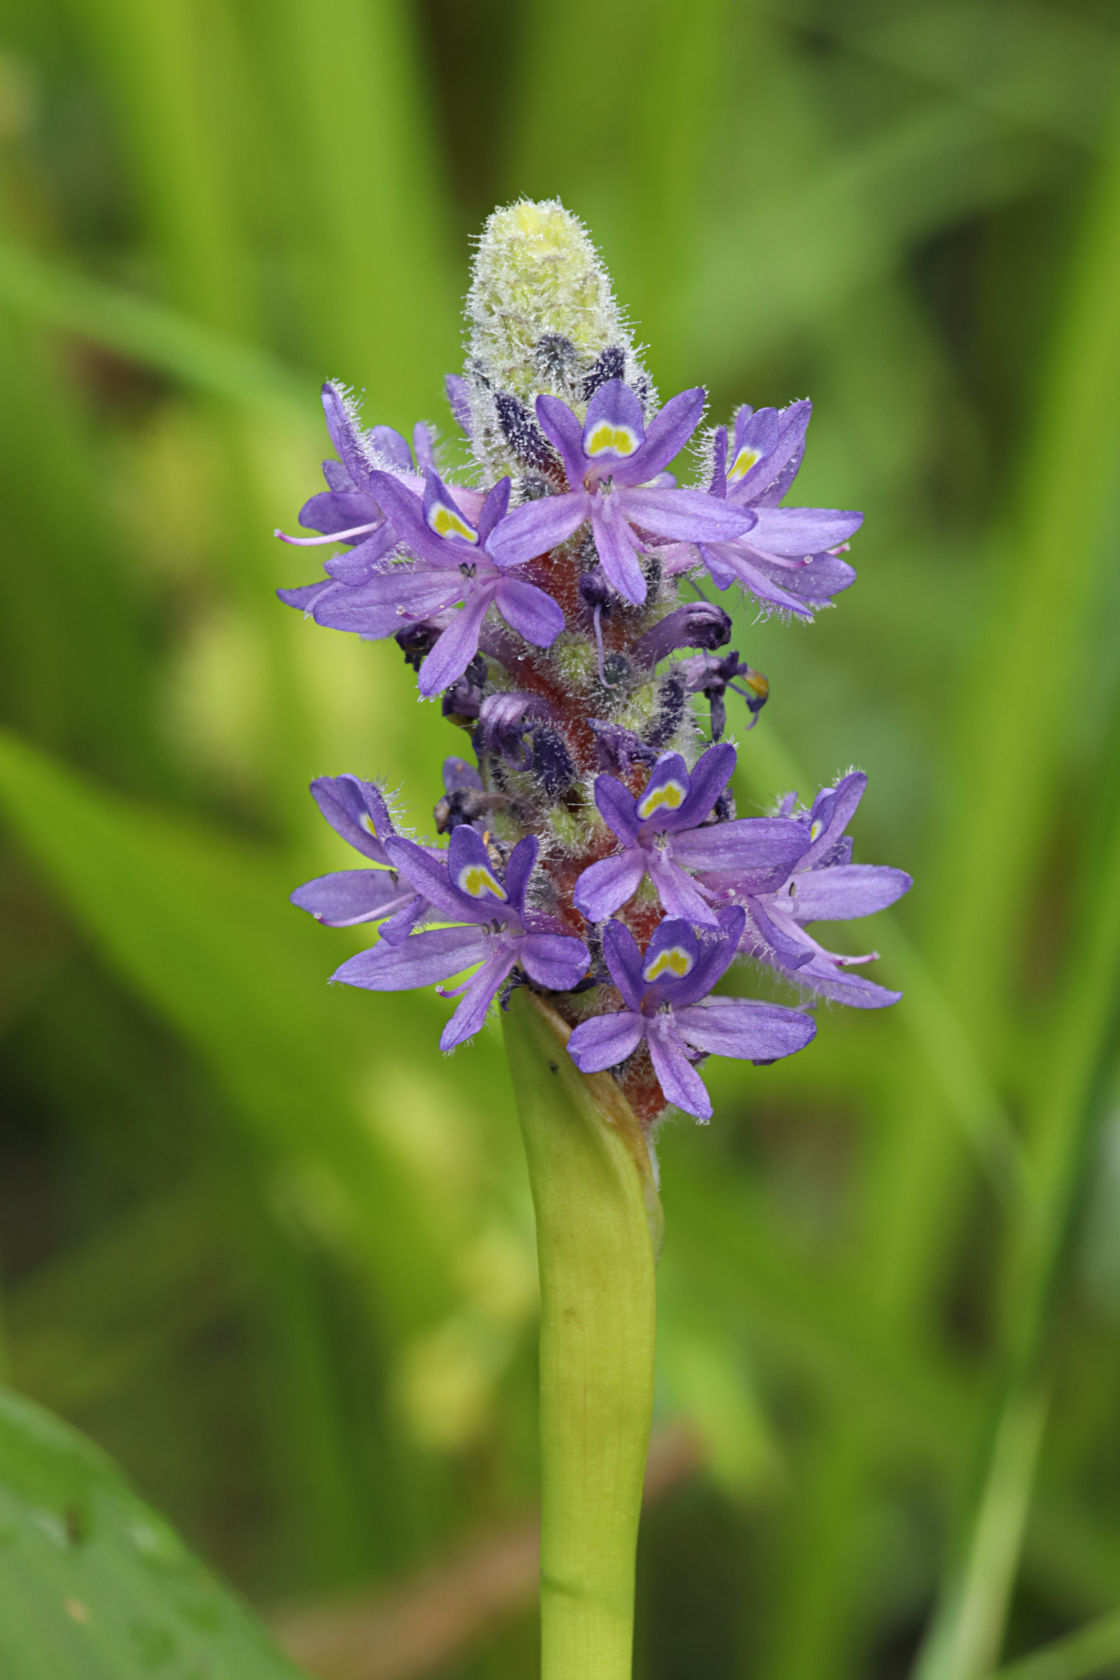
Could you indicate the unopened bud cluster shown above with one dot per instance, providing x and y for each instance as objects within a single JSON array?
[{"x": 555, "y": 606}]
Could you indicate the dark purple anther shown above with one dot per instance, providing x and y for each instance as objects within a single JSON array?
[
  {"x": 609, "y": 364},
  {"x": 557, "y": 358},
  {"x": 552, "y": 762},
  {"x": 669, "y": 714},
  {"x": 524, "y": 436},
  {"x": 596, "y": 593}
]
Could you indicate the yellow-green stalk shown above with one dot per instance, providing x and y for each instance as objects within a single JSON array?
[{"x": 598, "y": 1231}]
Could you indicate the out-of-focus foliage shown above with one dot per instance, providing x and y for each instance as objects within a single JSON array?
[
  {"x": 94, "y": 1583},
  {"x": 258, "y": 1238}
]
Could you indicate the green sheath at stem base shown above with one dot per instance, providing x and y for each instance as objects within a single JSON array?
[{"x": 598, "y": 1230}]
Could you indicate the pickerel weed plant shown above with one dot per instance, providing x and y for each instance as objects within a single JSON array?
[{"x": 596, "y": 880}]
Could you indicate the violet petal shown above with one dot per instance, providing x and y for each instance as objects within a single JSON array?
[
  {"x": 536, "y": 527},
  {"x": 431, "y": 879},
  {"x": 457, "y": 645},
  {"x": 554, "y": 960},
  {"x": 710, "y": 775},
  {"x": 478, "y": 995},
  {"x": 744, "y": 1028},
  {"x": 422, "y": 959},
  {"x": 847, "y": 891},
  {"x": 617, "y": 807},
  {"x": 666, "y": 435},
  {"x": 357, "y": 811},
  {"x": 518, "y": 870},
  {"x": 624, "y": 962},
  {"x": 761, "y": 849},
  {"x": 561, "y": 427},
  {"x": 618, "y": 547},
  {"x": 350, "y": 896},
  {"x": 680, "y": 1083},
  {"x": 685, "y": 515},
  {"x": 529, "y": 611},
  {"x": 605, "y": 1040},
  {"x": 798, "y": 532},
  {"x": 607, "y": 885}
]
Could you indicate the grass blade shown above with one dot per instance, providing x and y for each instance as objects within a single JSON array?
[
  {"x": 201, "y": 929},
  {"x": 201, "y": 357},
  {"x": 1091, "y": 1651}
]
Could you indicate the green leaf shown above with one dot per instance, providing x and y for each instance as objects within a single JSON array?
[
  {"x": 1092, "y": 1650},
  {"x": 198, "y": 355},
  {"x": 93, "y": 1583},
  {"x": 200, "y": 928}
]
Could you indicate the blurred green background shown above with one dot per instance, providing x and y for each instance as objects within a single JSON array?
[{"x": 258, "y": 1238}]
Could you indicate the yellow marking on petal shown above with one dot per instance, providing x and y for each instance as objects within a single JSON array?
[
  {"x": 744, "y": 461},
  {"x": 609, "y": 439},
  {"x": 678, "y": 963},
  {"x": 366, "y": 821},
  {"x": 669, "y": 795},
  {"x": 445, "y": 522},
  {"x": 477, "y": 880},
  {"x": 816, "y": 829}
]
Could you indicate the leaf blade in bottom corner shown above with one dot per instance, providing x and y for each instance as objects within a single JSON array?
[{"x": 94, "y": 1583}]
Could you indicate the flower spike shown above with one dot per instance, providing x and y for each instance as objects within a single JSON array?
[{"x": 591, "y": 850}]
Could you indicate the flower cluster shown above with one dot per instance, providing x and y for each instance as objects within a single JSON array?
[{"x": 594, "y": 853}]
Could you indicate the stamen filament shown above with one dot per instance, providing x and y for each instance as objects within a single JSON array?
[{"x": 332, "y": 537}]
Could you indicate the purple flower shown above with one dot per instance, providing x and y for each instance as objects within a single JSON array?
[
  {"x": 787, "y": 556},
  {"x": 824, "y": 886},
  {"x": 492, "y": 928},
  {"x": 609, "y": 463},
  {"x": 350, "y": 511},
  {"x": 666, "y": 1003},
  {"x": 357, "y": 810},
  {"x": 665, "y": 835},
  {"x": 453, "y": 565},
  {"x": 697, "y": 624}
]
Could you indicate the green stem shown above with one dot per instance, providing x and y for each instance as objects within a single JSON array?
[{"x": 598, "y": 1228}]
